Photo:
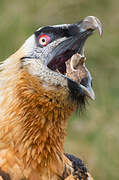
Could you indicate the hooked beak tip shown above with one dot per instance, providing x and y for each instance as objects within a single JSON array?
[
  {"x": 98, "y": 26},
  {"x": 92, "y": 22}
]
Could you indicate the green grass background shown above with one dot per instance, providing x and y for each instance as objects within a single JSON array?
[{"x": 94, "y": 134}]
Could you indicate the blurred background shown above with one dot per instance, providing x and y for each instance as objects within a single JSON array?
[{"x": 94, "y": 134}]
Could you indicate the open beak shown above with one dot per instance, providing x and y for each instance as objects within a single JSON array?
[{"x": 72, "y": 44}]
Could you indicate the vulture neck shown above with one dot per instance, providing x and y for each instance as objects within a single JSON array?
[{"x": 35, "y": 119}]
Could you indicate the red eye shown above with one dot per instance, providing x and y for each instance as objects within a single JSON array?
[{"x": 44, "y": 39}]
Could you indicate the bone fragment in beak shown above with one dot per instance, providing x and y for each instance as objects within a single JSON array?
[
  {"x": 75, "y": 68},
  {"x": 76, "y": 60}
]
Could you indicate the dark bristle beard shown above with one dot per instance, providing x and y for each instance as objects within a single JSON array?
[{"x": 76, "y": 95}]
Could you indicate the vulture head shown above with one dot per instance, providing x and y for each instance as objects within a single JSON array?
[{"x": 55, "y": 54}]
